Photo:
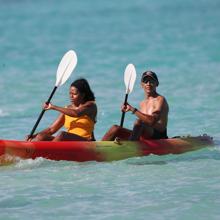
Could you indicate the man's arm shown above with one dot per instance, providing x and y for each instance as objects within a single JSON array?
[{"x": 146, "y": 118}]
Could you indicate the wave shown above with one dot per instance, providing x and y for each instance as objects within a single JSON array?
[
  {"x": 3, "y": 113},
  {"x": 208, "y": 153},
  {"x": 30, "y": 163},
  {"x": 7, "y": 160}
]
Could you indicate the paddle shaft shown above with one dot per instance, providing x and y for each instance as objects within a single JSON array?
[
  {"x": 123, "y": 113},
  {"x": 42, "y": 113}
]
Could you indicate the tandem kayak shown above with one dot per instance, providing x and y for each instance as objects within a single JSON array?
[{"x": 82, "y": 151}]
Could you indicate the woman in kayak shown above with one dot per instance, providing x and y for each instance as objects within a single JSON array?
[{"x": 78, "y": 118}]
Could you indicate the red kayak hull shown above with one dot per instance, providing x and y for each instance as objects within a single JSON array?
[{"x": 101, "y": 150}]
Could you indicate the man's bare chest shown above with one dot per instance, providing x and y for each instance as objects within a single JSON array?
[{"x": 148, "y": 106}]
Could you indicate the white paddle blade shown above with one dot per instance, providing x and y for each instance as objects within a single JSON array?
[
  {"x": 129, "y": 77},
  {"x": 66, "y": 67}
]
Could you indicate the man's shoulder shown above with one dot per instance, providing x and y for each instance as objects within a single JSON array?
[{"x": 161, "y": 97}]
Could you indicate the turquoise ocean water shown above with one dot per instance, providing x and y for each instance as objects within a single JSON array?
[{"x": 179, "y": 40}]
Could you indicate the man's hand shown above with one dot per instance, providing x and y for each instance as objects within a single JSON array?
[{"x": 127, "y": 108}]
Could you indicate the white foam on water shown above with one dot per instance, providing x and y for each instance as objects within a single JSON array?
[
  {"x": 6, "y": 160},
  {"x": 3, "y": 113},
  {"x": 29, "y": 163}
]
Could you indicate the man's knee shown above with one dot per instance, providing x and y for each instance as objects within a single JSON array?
[{"x": 114, "y": 128}]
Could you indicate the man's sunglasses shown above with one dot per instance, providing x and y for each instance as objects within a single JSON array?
[{"x": 148, "y": 79}]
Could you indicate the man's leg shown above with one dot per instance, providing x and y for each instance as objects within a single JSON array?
[
  {"x": 116, "y": 131},
  {"x": 141, "y": 129},
  {"x": 137, "y": 131}
]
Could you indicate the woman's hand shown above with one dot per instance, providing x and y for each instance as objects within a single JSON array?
[
  {"x": 28, "y": 138},
  {"x": 47, "y": 106}
]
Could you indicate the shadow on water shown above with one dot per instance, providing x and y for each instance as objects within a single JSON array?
[{"x": 208, "y": 153}]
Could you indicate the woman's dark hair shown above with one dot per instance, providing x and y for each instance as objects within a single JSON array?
[{"x": 83, "y": 86}]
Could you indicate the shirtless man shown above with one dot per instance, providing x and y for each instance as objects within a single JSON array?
[{"x": 152, "y": 114}]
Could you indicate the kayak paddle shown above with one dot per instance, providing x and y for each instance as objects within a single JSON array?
[
  {"x": 64, "y": 70},
  {"x": 129, "y": 79}
]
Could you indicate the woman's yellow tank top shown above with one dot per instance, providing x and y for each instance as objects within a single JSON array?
[{"x": 82, "y": 125}]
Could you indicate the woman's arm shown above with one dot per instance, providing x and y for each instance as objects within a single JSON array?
[
  {"x": 53, "y": 128},
  {"x": 88, "y": 108}
]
